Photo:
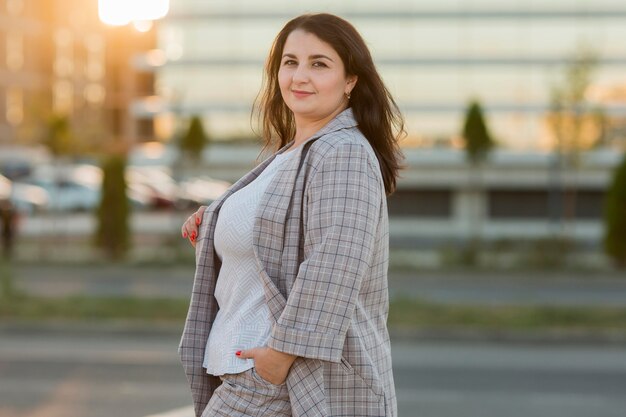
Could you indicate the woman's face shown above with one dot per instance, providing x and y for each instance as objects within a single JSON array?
[{"x": 312, "y": 77}]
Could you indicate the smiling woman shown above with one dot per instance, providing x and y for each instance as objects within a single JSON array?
[
  {"x": 313, "y": 82},
  {"x": 122, "y": 12},
  {"x": 288, "y": 314}
]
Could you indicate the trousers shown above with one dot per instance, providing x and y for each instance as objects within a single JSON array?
[{"x": 247, "y": 394}]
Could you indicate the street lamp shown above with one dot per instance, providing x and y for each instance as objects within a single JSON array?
[{"x": 123, "y": 12}]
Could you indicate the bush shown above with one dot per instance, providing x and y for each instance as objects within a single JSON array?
[
  {"x": 615, "y": 217},
  {"x": 478, "y": 140},
  {"x": 113, "y": 233},
  {"x": 193, "y": 141}
]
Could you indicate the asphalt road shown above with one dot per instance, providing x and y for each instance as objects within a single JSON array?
[
  {"x": 97, "y": 372},
  {"x": 477, "y": 288}
]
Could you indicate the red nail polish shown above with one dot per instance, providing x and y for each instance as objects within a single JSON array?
[
  {"x": 185, "y": 234},
  {"x": 238, "y": 353},
  {"x": 197, "y": 220},
  {"x": 193, "y": 235}
]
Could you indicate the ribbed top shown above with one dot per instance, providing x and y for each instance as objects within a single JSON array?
[{"x": 243, "y": 320}]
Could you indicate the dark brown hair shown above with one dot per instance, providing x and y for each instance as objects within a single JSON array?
[{"x": 376, "y": 112}]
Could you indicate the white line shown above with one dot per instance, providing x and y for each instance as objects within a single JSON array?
[{"x": 179, "y": 412}]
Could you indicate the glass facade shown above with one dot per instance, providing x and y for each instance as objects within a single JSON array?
[
  {"x": 58, "y": 60},
  {"x": 434, "y": 58}
]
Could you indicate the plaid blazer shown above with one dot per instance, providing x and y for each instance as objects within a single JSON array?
[{"x": 321, "y": 243}]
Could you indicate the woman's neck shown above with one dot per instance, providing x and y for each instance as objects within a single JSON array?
[{"x": 305, "y": 128}]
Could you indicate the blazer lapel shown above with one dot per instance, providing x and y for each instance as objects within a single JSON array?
[
  {"x": 268, "y": 234},
  {"x": 271, "y": 221},
  {"x": 276, "y": 233}
]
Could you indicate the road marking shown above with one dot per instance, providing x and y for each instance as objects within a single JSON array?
[{"x": 179, "y": 412}]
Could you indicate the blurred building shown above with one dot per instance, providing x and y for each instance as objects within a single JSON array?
[
  {"x": 59, "y": 60},
  {"x": 437, "y": 202},
  {"x": 434, "y": 58},
  {"x": 510, "y": 55},
  {"x": 23, "y": 75}
]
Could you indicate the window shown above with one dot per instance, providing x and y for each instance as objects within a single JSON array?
[
  {"x": 94, "y": 68},
  {"x": 94, "y": 93},
  {"x": 14, "y": 51},
  {"x": 14, "y": 105},
  {"x": 64, "y": 56},
  {"x": 432, "y": 203},
  {"x": 15, "y": 7},
  {"x": 63, "y": 96},
  {"x": 542, "y": 204}
]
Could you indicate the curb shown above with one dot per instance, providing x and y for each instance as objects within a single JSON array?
[{"x": 539, "y": 337}]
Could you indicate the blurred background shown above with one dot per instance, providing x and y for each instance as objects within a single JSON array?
[{"x": 507, "y": 230}]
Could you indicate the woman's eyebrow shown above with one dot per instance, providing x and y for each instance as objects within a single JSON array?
[{"x": 317, "y": 56}]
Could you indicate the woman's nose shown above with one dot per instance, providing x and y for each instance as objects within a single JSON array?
[{"x": 301, "y": 74}]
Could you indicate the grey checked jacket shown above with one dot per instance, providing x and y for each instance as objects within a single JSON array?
[{"x": 321, "y": 243}]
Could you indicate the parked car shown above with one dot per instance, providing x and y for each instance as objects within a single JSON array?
[
  {"x": 202, "y": 190},
  {"x": 26, "y": 198},
  {"x": 153, "y": 185},
  {"x": 14, "y": 169},
  {"x": 6, "y": 188},
  {"x": 68, "y": 187},
  {"x": 66, "y": 194}
]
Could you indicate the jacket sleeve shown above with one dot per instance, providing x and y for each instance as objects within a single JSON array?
[{"x": 343, "y": 204}]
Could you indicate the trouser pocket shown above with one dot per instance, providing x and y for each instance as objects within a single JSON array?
[{"x": 262, "y": 380}]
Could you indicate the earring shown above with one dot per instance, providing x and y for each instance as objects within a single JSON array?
[{"x": 348, "y": 95}]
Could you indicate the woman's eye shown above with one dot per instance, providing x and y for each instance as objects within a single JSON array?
[
  {"x": 289, "y": 62},
  {"x": 319, "y": 64}
]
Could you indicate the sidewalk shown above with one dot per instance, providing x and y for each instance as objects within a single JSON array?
[{"x": 440, "y": 286}]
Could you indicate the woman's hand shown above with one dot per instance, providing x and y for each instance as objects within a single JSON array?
[
  {"x": 190, "y": 227},
  {"x": 271, "y": 365}
]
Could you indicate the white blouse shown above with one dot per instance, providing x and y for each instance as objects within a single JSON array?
[{"x": 243, "y": 320}]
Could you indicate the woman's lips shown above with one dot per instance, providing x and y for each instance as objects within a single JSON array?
[{"x": 301, "y": 94}]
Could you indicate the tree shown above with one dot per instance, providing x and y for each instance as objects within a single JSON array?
[
  {"x": 7, "y": 225},
  {"x": 59, "y": 138},
  {"x": 615, "y": 216},
  {"x": 478, "y": 140},
  {"x": 193, "y": 141},
  {"x": 478, "y": 144},
  {"x": 571, "y": 115},
  {"x": 113, "y": 234},
  {"x": 575, "y": 126}
]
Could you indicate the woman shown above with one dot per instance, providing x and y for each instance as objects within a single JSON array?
[{"x": 289, "y": 304}]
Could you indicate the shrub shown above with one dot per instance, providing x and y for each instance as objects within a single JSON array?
[
  {"x": 113, "y": 233},
  {"x": 615, "y": 217}
]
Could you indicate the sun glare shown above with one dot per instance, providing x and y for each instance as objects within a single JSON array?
[{"x": 122, "y": 12}]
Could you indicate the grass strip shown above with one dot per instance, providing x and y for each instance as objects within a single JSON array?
[
  {"x": 404, "y": 312},
  {"x": 407, "y": 312},
  {"x": 94, "y": 308}
]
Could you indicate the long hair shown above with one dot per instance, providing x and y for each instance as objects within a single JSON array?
[{"x": 376, "y": 112}]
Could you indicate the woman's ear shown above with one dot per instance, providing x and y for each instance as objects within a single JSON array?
[{"x": 351, "y": 82}]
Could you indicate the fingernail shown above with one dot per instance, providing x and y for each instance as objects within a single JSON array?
[
  {"x": 193, "y": 235},
  {"x": 185, "y": 234},
  {"x": 197, "y": 220},
  {"x": 238, "y": 353}
]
